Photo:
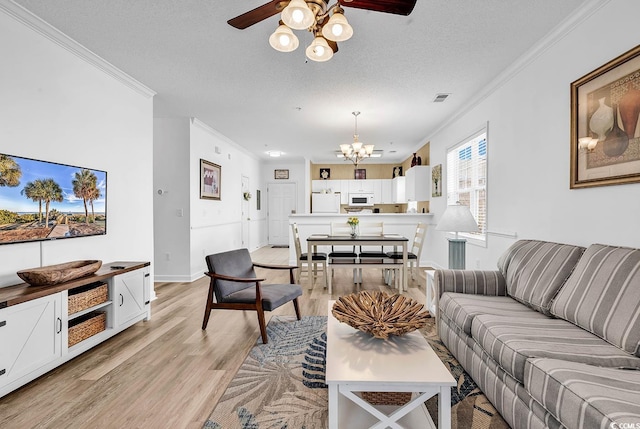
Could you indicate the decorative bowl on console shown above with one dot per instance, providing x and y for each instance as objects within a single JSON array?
[
  {"x": 60, "y": 273},
  {"x": 380, "y": 314}
]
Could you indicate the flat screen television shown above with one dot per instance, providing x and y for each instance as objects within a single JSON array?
[{"x": 41, "y": 200}]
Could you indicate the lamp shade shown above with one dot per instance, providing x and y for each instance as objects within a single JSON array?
[
  {"x": 457, "y": 218},
  {"x": 283, "y": 39},
  {"x": 319, "y": 50},
  {"x": 297, "y": 15},
  {"x": 337, "y": 29}
]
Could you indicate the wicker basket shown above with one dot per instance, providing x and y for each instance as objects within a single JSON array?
[
  {"x": 87, "y": 296},
  {"x": 86, "y": 326},
  {"x": 386, "y": 398}
]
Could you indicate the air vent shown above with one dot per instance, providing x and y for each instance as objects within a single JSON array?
[{"x": 440, "y": 98}]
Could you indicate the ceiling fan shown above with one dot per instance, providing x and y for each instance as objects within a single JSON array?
[{"x": 326, "y": 22}]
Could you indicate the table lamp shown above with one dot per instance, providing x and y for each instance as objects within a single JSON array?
[{"x": 457, "y": 218}]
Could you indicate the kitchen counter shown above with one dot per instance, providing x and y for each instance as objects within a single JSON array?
[{"x": 320, "y": 223}]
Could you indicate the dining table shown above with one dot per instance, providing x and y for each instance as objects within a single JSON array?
[{"x": 396, "y": 240}]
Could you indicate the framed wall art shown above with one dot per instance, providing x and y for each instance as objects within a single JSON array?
[
  {"x": 210, "y": 176},
  {"x": 281, "y": 174},
  {"x": 605, "y": 124},
  {"x": 258, "y": 195},
  {"x": 397, "y": 171},
  {"x": 360, "y": 173},
  {"x": 325, "y": 173},
  {"x": 436, "y": 181}
]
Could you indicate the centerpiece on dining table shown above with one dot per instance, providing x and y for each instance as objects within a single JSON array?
[{"x": 353, "y": 223}]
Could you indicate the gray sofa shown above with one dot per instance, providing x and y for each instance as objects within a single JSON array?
[{"x": 553, "y": 336}]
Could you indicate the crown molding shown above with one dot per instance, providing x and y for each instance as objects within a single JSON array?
[
  {"x": 30, "y": 20},
  {"x": 217, "y": 134},
  {"x": 554, "y": 36}
]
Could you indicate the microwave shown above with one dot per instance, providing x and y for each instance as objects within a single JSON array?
[{"x": 360, "y": 200}]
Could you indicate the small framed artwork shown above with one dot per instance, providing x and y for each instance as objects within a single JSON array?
[
  {"x": 605, "y": 124},
  {"x": 325, "y": 173},
  {"x": 281, "y": 174},
  {"x": 360, "y": 173},
  {"x": 397, "y": 171},
  {"x": 210, "y": 177},
  {"x": 258, "y": 199},
  {"x": 436, "y": 181}
]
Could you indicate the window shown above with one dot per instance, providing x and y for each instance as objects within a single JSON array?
[{"x": 467, "y": 180}]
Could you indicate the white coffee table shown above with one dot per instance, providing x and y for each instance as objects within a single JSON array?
[{"x": 357, "y": 362}]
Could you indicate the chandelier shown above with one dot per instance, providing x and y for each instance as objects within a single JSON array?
[
  {"x": 356, "y": 151},
  {"x": 312, "y": 15}
]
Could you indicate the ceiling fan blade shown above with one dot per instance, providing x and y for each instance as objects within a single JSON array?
[
  {"x": 256, "y": 15},
  {"x": 398, "y": 7}
]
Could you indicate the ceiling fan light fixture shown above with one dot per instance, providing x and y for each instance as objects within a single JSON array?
[
  {"x": 283, "y": 39},
  {"x": 297, "y": 15},
  {"x": 319, "y": 50},
  {"x": 338, "y": 28}
]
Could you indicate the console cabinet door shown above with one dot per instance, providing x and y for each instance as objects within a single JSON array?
[
  {"x": 30, "y": 336},
  {"x": 129, "y": 296}
]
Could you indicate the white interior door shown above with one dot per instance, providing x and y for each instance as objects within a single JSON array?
[
  {"x": 281, "y": 203},
  {"x": 246, "y": 214}
]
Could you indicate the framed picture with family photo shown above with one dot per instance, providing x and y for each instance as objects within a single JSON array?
[{"x": 210, "y": 175}]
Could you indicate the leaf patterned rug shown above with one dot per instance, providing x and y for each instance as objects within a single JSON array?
[{"x": 280, "y": 385}]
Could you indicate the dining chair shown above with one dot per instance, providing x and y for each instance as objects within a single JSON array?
[
  {"x": 371, "y": 254},
  {"x": 413, "y": 255},
  {"x": 234, "y": 286},
  {"x": 342, "y": 254},
  {"x": 318, "y": 260}
]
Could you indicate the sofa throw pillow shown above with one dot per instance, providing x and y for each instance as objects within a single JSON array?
[
  {"x": 535, "y": 270},
  {"x": 603, "y": 296}
]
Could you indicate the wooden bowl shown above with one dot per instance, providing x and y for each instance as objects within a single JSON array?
[
  {"x": 60, "y": 273},
  {"x": 380, "y": 314}
]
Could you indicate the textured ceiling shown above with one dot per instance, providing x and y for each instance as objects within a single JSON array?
[{"x": 232, "y": 80}]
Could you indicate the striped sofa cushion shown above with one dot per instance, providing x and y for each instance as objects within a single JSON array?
[
  {"x": 584, "y": 396},
  {"x": 461, "y": 308},
  {"x": 474, "y": 282},
  {"x": 536, "y": 270},
  {"x": 512, "y": 341},
  {"x": 603, "y": 295}
]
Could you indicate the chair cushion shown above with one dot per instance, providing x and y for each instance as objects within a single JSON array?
[
  {"x": 398, "y": 255},
  {"x": 511, "y": 341},
  {"x": 372, "y": 254},
  {"x": 315, "y": 257},
  {"x": 273, "y": 295},
  {"x": 461, "y": 308},
  {"x": 235, "y": 263},
  {"x": 603, "y": 295},
  {"x": 585, "y": 396},
  {"x": 343, "y": 255},
  {"x": 536, "y": 270}
]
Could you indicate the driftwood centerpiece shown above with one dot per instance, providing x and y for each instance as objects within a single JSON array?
[
  {"x": 380, "y": 314},
  {"x": 60, "y": 273}
]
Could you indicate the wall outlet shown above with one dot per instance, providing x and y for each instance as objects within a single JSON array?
[
  {"x": 180, "y": 212},
  {"x": 477, "y": 263},
  {"x": 167, "y": 256}
]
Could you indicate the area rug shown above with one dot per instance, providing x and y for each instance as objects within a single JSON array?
[{"x": 280, "y": 385}]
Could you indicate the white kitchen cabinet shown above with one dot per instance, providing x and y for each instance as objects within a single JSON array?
[
  {"x": 361, "y": 186},
  {"x": 318, "y": 185},
  {"x": 418, "y": 183},
  {"x": 398, "y": 190},
  {"x": 129, "y": 296},
  {"x": 377, "y": 191},
  {"x": 386, "y": 194},
  {"x": 30, "y": 336}
]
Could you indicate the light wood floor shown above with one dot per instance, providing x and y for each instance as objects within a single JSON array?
[{"x": 167, "y": 372}]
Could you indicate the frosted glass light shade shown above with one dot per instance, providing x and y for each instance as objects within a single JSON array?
[
  {"x": 283, "y": 39},
  {"x": 319, "y": 50},
  {"x": 345, "y": 148},
  {"x": 297, "y": 15},
  {"x": 338, "y": 28},
  {"x": 457, "y": 218},
  {"x": 368, "y": 149}
]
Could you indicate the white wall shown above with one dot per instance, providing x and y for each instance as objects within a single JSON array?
[
  {"x": 529, "y": 141},
  {"x": 55, "y": 106},
  {"x": 206, "y": 226},
  {"x": 171, "y": 208}
]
